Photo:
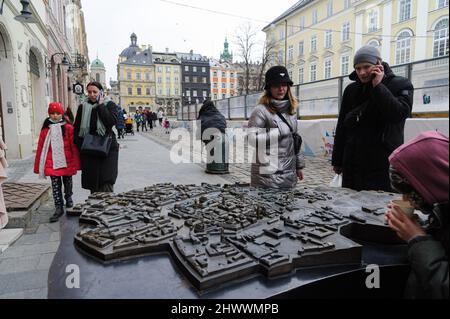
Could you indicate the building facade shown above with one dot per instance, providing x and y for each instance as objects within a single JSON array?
[
  {"x": 168, "y": 81},
  {"x": 316, "y": 39},
  {"x": 195, "y": 78},
  {"x": 76, "y": 34},
  {"x": 32, "y": 72},
  {"x": 224, "y": 79},
  {"x": 136, "y": 77}
]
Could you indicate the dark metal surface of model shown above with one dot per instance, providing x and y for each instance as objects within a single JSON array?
[{"x": 218, "y": 234}]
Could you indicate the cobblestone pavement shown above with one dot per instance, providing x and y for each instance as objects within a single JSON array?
[{"x": 318, "y": 171}]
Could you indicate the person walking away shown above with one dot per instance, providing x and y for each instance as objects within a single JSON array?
[
  {"x": 371, "y": 122},
  {"x": 160, "y": 117},
  {"x": 274, "y": 119},
  {"x": 419, "y": 171},
  {"x": 149, "y": 119},
  {"x": 57, "y": 157},
  {"x": 154, "y": 118},
  {"x": 120, "y": 125},
  {"x": 97, "y": 116},
  {"x": 138, "y": 119},
  {"x": 144, "y": 120}
]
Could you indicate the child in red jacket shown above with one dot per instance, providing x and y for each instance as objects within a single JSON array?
[{"x": 57, "y": 157}]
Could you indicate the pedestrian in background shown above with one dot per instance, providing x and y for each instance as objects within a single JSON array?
[
  {"x": 97, "y": 116},
  {"x": 138, "y": 119},
  {"x": 371, "y": 122},
  {"x": 120, "y": 125},
  {"x": 160, "y": 117},
  {"x": 166, "y": 125},
  {"x": 57, "y": 157},
  {"x": 419, "y": 170},
  {"x": 275, "y": 115},
  {"x": 149, "y": 119}
]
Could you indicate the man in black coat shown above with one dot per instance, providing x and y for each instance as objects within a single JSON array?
[{"x": 371, "y": 122}]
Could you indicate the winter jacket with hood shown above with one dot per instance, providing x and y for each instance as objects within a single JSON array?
[
  {"x": 370, "y": 127},
  {"x": 424, "y": 163},
  {"x": 210, "y": 118},
  {"x": 267, "y": 173},
  {"x": 70, "y": 151}
]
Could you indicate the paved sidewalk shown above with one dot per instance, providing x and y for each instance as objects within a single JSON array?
[
  {"x": 144, "y": 160},
  {"x": 318, "y": 170},
  {"x": 24, "y": 265}
]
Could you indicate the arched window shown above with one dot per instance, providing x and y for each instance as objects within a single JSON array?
[
  {"x": 97, "y": 77},
  {"x": 403, "y": 47},
  {"x": 440, "y": 40}
]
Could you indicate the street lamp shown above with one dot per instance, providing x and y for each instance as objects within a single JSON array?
[
  {"x": 25, "y": 15},
  {"x": 64, "y": 61}
]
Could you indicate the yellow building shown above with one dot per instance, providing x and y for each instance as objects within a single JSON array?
[
  {"x": 316, "y": 39},
  {"x": 168, "y": 81},
  {"x": 136, "y": 77}
]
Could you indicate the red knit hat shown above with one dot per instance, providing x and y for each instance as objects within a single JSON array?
[{"x": 55, "y": 107}]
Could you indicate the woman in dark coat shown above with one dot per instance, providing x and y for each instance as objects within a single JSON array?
[{"x": 97, "y": 116}]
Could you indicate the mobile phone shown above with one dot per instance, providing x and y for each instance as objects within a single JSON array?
[{"x": 99, "y": 96}]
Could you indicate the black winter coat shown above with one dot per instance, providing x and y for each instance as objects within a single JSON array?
[
  {"x": 429, "y": 259},
  {"x": 370, "y": 127},
  {"x": 96, "y": 171},
  {"x": 210, "y": 117}
]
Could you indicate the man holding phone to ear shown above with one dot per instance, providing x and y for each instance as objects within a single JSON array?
[{"x": 371, "y": 122}]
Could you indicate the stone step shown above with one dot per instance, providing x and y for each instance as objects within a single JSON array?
[{"x": 20, "y": 212}]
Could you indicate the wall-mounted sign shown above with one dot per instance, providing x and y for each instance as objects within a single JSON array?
[
  {"x": 78, "y": 88},
  {"x": 9, "y": 107}
]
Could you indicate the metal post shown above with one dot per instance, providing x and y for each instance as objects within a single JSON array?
[
  {"x": 409, "y": 71},
  {"x": 229, "y": 109},
  {"x": 340, "y": 92},
  {"x": 245, "y": 108}
]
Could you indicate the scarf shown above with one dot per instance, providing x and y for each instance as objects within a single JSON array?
[
  {"x": 55, "y": 139},
  {"x": 280, "y": 105},
  {"x": 85, "y": 126}
]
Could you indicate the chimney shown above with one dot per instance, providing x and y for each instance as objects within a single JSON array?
[
  {"x": 191, "y": 52},
  {"x": 167, "y": 50}
]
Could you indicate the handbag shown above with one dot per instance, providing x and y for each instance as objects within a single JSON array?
[
  {"x": 297, "y": 138},
  {"x": 96, "y": 145}
]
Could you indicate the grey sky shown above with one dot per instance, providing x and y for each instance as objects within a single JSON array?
[{"x": 163, "y": 24}]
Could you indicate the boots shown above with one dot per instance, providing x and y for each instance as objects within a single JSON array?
[
  {"x": 69, "y": 202},
  {"x": 59, "y": 211},
  {"x": 68, "y": 184}
]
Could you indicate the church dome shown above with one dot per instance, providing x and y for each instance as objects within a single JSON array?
[
  {"x": 133, "y": 49},
  {"x": 97, "y": 64}
]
